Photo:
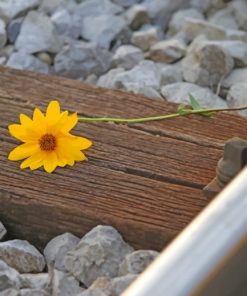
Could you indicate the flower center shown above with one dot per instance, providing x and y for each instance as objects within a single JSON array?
[{"x": 47, "y": 142}]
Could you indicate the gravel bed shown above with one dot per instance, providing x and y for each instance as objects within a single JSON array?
[{"x": 161, "y": 49}]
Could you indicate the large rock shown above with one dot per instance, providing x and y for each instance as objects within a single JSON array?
[
  {"x": 236, "y": 96},
  {"x": 9, "y": 277},
  {"x": 167, "y": 51},
  {"x": 3, "y": 34},
  {"x": 3, "y": 231},
  {"x": 38, "y": 34},
  {"x": 64, "y": 284},
  {"x": 137, "y": 262},
  {"x": 25, "y": 61},
  {"x": 22, "y": 256},
  {"x": 66, "y": 23},
  {"x": 137, "y": 15},
  {"x": 179, "y": 93},
  {"x": 103, "y": 29},
  {"x": 127, "y": 56},
  {"x": 240, "y": 12},
  {"x": 178, "y": 19},
  {"x": 98, "y": 253},
  {"x": 10, "y": 9},
  {"x": 144, "y": 39},
  {"x": 162, "y": 10},
  {"x": 79, "y": 59},
  {"x": 58, "y": 247},
  {"x": 208, "y": 65}
]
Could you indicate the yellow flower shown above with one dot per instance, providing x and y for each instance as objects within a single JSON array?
[{"x": 47, "y": 139}]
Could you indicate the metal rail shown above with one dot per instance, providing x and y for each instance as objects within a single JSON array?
[{"x": 209, "y": 257}]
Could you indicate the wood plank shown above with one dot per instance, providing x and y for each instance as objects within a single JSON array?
[{"x": 144, "y": 179}]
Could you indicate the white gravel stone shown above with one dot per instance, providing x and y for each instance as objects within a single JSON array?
[
  {"x": 208, "y": 65},
  {"x": 10, "y": 9},
  {"x": 34, "y": 281},
  {"x": 240, "y": 12},
  {"x": 167, "y": 51},
  {"x": 9, "y": 277},
  {"x": 25, "y": 61},
  {"x": 58, "y": 247},
  {"x": 98, "y": 253},
  {"x": 126, "y": 3},
  {"x": 137, "y": 262},
  {"x": 38, "y": 34},
  {"x": 33, "y": 292},
  {"x": 142, "y": 89},
  {"x": 236, "y": 35},
  {"x": 3, "y": 231},
  {"x": 79, "y": 59},
  {"x": 144, "y": 39},
  {"x": 194, "y": 27},
  {"x": 127, "y": 56},
  {"x": 146, "y": 73},
  {"x": 179, "y": 93},
  {"x": 13, "y": 29},
  {"x": 137, "y": 15},
  {"x": 201, "y": 5},
  {"x": 10, "y": 292},
  {"x": 117, "y": 285},
  {"x": 3, "y": 34},
  {"x": 171, "y": 74},
  {"x": 103, "y": 29},
  {"x": 237, "y": 75},
  {"x": 3, "y": 61},
  {"x": 64, "y": 284},
  {"x": 66, "y": 23},
  {"x": 225, "y": 19},
  {"x": 51, "y": 6},
  {"x": 236, "y": 96},
  {"x": 22, "y": 256},
  {"x": 178, "y": 19},
  {"x": 92, "y": 292},
  {"x": 108, "y": 80}
]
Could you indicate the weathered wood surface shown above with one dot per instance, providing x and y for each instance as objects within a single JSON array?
[{"x": 143, "y": 179}]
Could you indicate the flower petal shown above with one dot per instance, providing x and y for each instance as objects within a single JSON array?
[
  {"x": 50, "y": 162},
  {"x": 70, "y": 122},
  {"x": 33, "y": 159},
  {"x": 53, "y": 112},
  {"x": 19, "y": 132},
  {"x": 23, "y": 151}
]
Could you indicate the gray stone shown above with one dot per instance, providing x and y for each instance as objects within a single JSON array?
[
  {"x": 51, "y": 6},
  {"x": 240, "y": 12},
  {"x": 137, "y": 262},
  {"x": 44, "y": 57},
  {"x": 236, "y": 35},
  {"x": 3, "y": 61},
  {"x": 167, "y": 51},
  {"x": 178, "y": 19},
  {"x": 79, "y": 59},
  {"x": 10, "y": 9},
  {"x": 208, "y": 65},
  {"x": 33, "y": 292},
  {"x": 22, "y": 256},
  {"x": 100, "y": 283},
  {"x": 91, "y": 79},
  {"x": 126, "y": 3},
  {"x": 137, "y": 15},
  {"x": 92, "y": 292},
  {"x": 108, "y": 80},
  {"x": 117, "y": 285},
  {"x": 3, "y": 34},
  {"x": 38, "y": 34},
  {"x": 225, "y": 19},
  {"x": 201, "y": 5},
  {"x": 64, "y": 284},
  {"x": 236, "y": 96},
  {"x": 34, "y": 281},
  {"x": 103, "y": 29},
  {"x": 25, "y": 61},
  {"x": 98, "y": 253},
  {"x": 9, "y": 277},
  {"x": 13, "y": 29},
  {"x": 237, "y": 75},
  {"x": 179, "y": 93},
  {"x": 171, "y": 74},
  {"x": 144, "y": 90},
  {"x": 10, "y": 292},
  {"x": 58, "y": 247},
  {"x": 194, "y": 27},
  {"x": 66, "y": 24},
  {"x": 146, "y": 73},
  {"x": 7, "y": 51},
  {"x": 146, "y": 38},
  {"x": 127, "y": 56},
  {"x": 3, "y": 231},
  {"x": 162, "y": 10},
  {"x": 97, "y": 7}
]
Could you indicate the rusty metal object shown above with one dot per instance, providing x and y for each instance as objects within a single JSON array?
[{"x": 233, "y": 160}]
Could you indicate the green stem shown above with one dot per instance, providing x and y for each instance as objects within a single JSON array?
[{"x": 160, "y": 117}]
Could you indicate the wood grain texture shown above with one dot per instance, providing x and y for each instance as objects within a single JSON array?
[{"x": 143, "y": 179}]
